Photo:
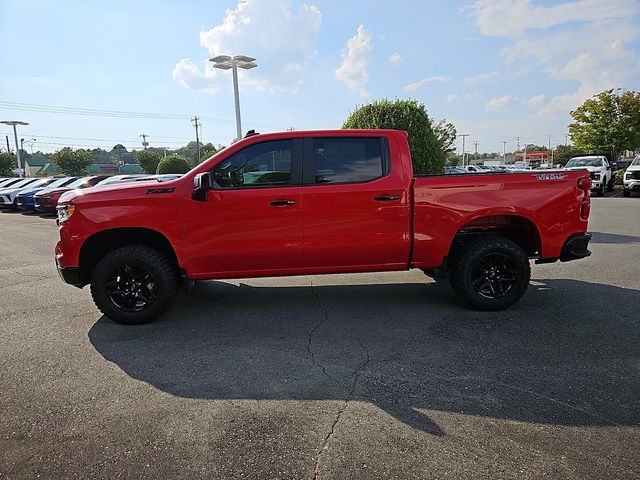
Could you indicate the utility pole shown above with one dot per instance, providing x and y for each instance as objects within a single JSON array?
[
  {"x": 195, "y": 123},
  {"x": 549, "y": 141},
  {"x": 504, "y": 151},
  {"x": 464, "y": 136},
  {"x": 13, "y": 123},
  {"x": 8, "y": 148},
  {"x": 145, "y": 144},
  {"x": 476, "y": 146},
  {"x": 566, "y": 139}
]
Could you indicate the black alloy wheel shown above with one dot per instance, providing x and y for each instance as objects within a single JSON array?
[
  {"x": 134, "y": 284},
  {"x": 494, "y": 275},
  {"x": 132, "y": 288},
  {"x": 489, "y": 272}
]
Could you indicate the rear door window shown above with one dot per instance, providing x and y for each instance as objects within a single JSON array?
[{"x": 348, "y": 160}]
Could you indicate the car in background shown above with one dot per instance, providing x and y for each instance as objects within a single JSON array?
[
  {"x": 455, "y": 171},
  {"x": 599, "y": 169},
  {"x": 124, "y": 178},
  {"x": 631, "y": 179},
  {"x": 8, "y": 194},
  {"x": 24, "y": 199},
  {"x": 45, "y": 201},
  {"x": 478, "y": 169},
  {"x": 9, "y": 181}
]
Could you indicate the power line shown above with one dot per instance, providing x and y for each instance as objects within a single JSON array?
[{"x": 94, "y": 112}]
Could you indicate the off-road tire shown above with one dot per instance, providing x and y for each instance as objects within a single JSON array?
[
  {"x": 162, "y": 270},
  {"x": 468, "y": 262}
]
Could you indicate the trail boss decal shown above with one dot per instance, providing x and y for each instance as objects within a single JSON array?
[{"x": 550, "y": 176}]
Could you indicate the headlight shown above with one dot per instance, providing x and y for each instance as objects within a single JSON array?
[
  {"x": 65, "y": 212},
  {"x": 596, "y": 176}
]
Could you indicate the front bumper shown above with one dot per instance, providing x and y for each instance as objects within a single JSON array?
[
  {"x": 70, "y": 275},
  {"x": 576, "y": 248},
  {"x": 632, "y": 185}
]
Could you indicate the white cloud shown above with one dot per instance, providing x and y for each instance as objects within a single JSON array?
[
  {"x": 282, "y": 38},
  {"x": 498, "y": 103},
  {"x": 592, "y": 49},
  {"x": 355, "y": 58},
  {"x": 451, "y": 98},
  {"x": 415, "y": 86},
  {"x": 535, "y": 101},
  {"x": 188, "y": 74},
  {"x": 395, "y": 59},
  {"x": 504, "y": 18},
  {"x": 481, "y": 77}
]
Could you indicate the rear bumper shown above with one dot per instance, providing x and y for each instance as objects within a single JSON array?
[{"x": 576, "y": 248}]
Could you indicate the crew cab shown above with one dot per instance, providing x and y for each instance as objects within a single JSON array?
[
  {"x": 318, "y": 202},
  {"x": 599, "y": 169},
  {"x": 631, "y": 179}
]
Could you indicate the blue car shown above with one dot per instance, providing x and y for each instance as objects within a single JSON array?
[{"x": 25, "y": 198}]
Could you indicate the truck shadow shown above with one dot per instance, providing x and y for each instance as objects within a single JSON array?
[
  {"x": 567, "y": 354},
  {"x": 613, "y": 238}
]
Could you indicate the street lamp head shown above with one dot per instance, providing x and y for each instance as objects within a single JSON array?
[
  {"x": 225, "y": 62},
  {"x": 243, "y": 58},
  {"x": 220, "y": 58},
  {"x": 13, "y": 122},
  {"x": 247, "y": 65}
]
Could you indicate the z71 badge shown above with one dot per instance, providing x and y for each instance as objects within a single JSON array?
[{"x": 550, "y": 176}]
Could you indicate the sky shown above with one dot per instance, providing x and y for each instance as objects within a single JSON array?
[{"x": 97, "y": 73}]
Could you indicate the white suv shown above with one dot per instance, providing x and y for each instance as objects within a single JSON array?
[
  {"x": 598, "y": 167},
  {"x": 632, "y": 178}
]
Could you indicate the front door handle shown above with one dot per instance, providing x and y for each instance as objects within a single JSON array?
[
  {"x": 282, "y": 203},
  {"x": 386, "y": 198}
]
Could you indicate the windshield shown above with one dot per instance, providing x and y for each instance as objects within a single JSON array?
[
  {"x": 636, "y": 162},
  {"x": 23, "y": 182},
  {"x": 79, "y": 182},
  {"x": 61, "y": 182},
  {"x": 585, "y": 162}
]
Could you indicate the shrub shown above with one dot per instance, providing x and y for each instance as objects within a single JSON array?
[
  {"x": 173, "y": 164},
  {"x": 148, "y": 160},
  {"x": 427, "y": 151}
]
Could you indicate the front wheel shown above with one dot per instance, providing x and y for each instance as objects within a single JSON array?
[
  {"x": 134, "y": 284},
  {"x": 491, "y": 273}
]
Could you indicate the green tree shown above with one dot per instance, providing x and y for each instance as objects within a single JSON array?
[
  {"x": 72, "y": 162},
  {"x": 427, "y": 151},
  {"x": 608, "y": 121},
  {"x": 148, "y": 160},
  {"x": 8, "y": 163},
  {"x": 173, "y": 164},
  {"x": 447, "y": 134},
  {"x": 563, "y": 154},
  {"x": 207, "y": 151}
]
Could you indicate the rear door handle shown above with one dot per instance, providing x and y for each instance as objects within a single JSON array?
[
  {"x": 386, "y": 198},
  {"x": 282, "y": 203}
]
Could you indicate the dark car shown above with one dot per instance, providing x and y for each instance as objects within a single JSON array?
[
  {"x": 25, "y": 198},
  {"x": 45, "y": 201}
]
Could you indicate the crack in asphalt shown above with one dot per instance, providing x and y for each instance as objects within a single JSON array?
[{"x": 355, "y": 374}]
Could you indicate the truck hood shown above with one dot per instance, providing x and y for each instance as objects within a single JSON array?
[
  {"x": 591, "y": 169},
  {"x": 633, "y": 168},
  {"x": 116, "y": 190}
]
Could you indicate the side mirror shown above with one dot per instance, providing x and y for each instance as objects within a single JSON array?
[{"x": 201, "y": 185}]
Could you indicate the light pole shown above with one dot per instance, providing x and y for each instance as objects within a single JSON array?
[
  {"x": 225, "y": 62},
  {"x": 13, "y": 123}
]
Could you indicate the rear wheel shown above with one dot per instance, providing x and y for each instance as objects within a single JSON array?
[
  {"x": 134, "y": 284},
  {"x": 491, "y": 273}
]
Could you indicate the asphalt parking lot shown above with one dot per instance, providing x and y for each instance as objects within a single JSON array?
[{"x": 351, "y": 376}]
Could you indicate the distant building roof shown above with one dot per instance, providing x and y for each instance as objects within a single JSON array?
[{"x": 35, "y": 161}]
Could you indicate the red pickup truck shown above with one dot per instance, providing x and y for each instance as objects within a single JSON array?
[{"x": 318, "y": 202}]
